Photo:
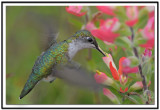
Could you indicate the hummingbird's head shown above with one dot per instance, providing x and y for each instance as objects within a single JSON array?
[{"x": 86, "y": 40}]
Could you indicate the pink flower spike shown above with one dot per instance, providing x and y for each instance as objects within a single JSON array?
[
  {"x": 110, "y": 95},
  {"x": 147, "y": 53},
  {"x": 75, "y": 10},
  {"x": 106, "y": 9}
]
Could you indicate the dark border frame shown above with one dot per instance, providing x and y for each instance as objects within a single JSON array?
[{"x": 3, "y": 2}]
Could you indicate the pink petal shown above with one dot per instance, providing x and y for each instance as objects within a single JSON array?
[
  {"x": 90, "y": 26},
  {"x": 148, "y": 31},
  {"x": 100, "y": 77},
  {"x": 127, "y": 70},
  {"x": 106, "y": 9},
  {"x": 149, "y": 44},
  {"x": 104, "y": 35},
  {"x": 132, "y": 22},
  {"x": 75, "y": 10}
]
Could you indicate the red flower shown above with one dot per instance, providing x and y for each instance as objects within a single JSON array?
[
  {"x": 132, "y": 13},
  {"x": 106, "y": 9},
  {"x": 107, "y": 29},
  {"x": 75, "y": 10},
  {"x": 124, "y": 68}
]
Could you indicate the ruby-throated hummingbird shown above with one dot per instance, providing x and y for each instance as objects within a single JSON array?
[{"x": 58, "y": 54}]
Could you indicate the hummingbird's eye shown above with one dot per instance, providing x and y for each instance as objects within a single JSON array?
[{"x": 89, "y": 39}]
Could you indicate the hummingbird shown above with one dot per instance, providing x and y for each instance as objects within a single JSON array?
[{"x": 58, "y": 54}]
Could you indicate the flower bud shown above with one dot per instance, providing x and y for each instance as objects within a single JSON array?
[
  {"x": 110, "y": 95},
  {"x": 102, "y": 78}
]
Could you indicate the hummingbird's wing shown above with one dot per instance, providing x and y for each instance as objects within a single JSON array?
[{"x": 79, "y": 77}]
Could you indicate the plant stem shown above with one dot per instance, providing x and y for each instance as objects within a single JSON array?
[{"x": 145, "y": 87}]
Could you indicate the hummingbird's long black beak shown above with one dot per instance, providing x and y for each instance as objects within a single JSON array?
[
  {"x": 97, "y": 47},
  {"x": 100, "y": 50}
]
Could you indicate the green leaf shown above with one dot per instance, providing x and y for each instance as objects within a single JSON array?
[
  {"x": 142, "y": 19},
  {"x": 124, "y": 30},
  {"x": 146, "y": 68},
  {"x": 121, "y": 13},
  {"x": 136, "y": 99},
  {"x": 139, "y": 39},
  {"x": 123, "y": 42},
  {"x": 129, "y": 52},
  {"x": 134, "y": 61}
]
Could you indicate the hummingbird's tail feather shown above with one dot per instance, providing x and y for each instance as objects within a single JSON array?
[{"x": 28, "y": 87}]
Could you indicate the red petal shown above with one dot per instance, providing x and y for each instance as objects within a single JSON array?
[
  {"x": 123, "y": 91},
  {"x": 114, "y": 71},
  {"x": 126, "y": 89},
  {"x": 120, "y": 71}
]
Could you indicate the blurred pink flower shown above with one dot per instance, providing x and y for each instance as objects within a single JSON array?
[
  {"x": 147, "y": 53},
  {"x": 107, "y": 29},
  {"x": 106, "y": 9},
  {"x": 110, "y": 95},
  {"x": 148, "y": 33},
  {"x": 90, "y": 26},
  {"x": 75, "y": 10},
  {"x": 149, "y": 44},
  {"x": 132, "y": 13}
]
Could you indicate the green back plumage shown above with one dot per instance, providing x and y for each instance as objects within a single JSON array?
[{"x": 44, "y": 64}]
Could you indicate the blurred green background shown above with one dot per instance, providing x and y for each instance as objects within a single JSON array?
[{"x": 27, "y": 31}]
